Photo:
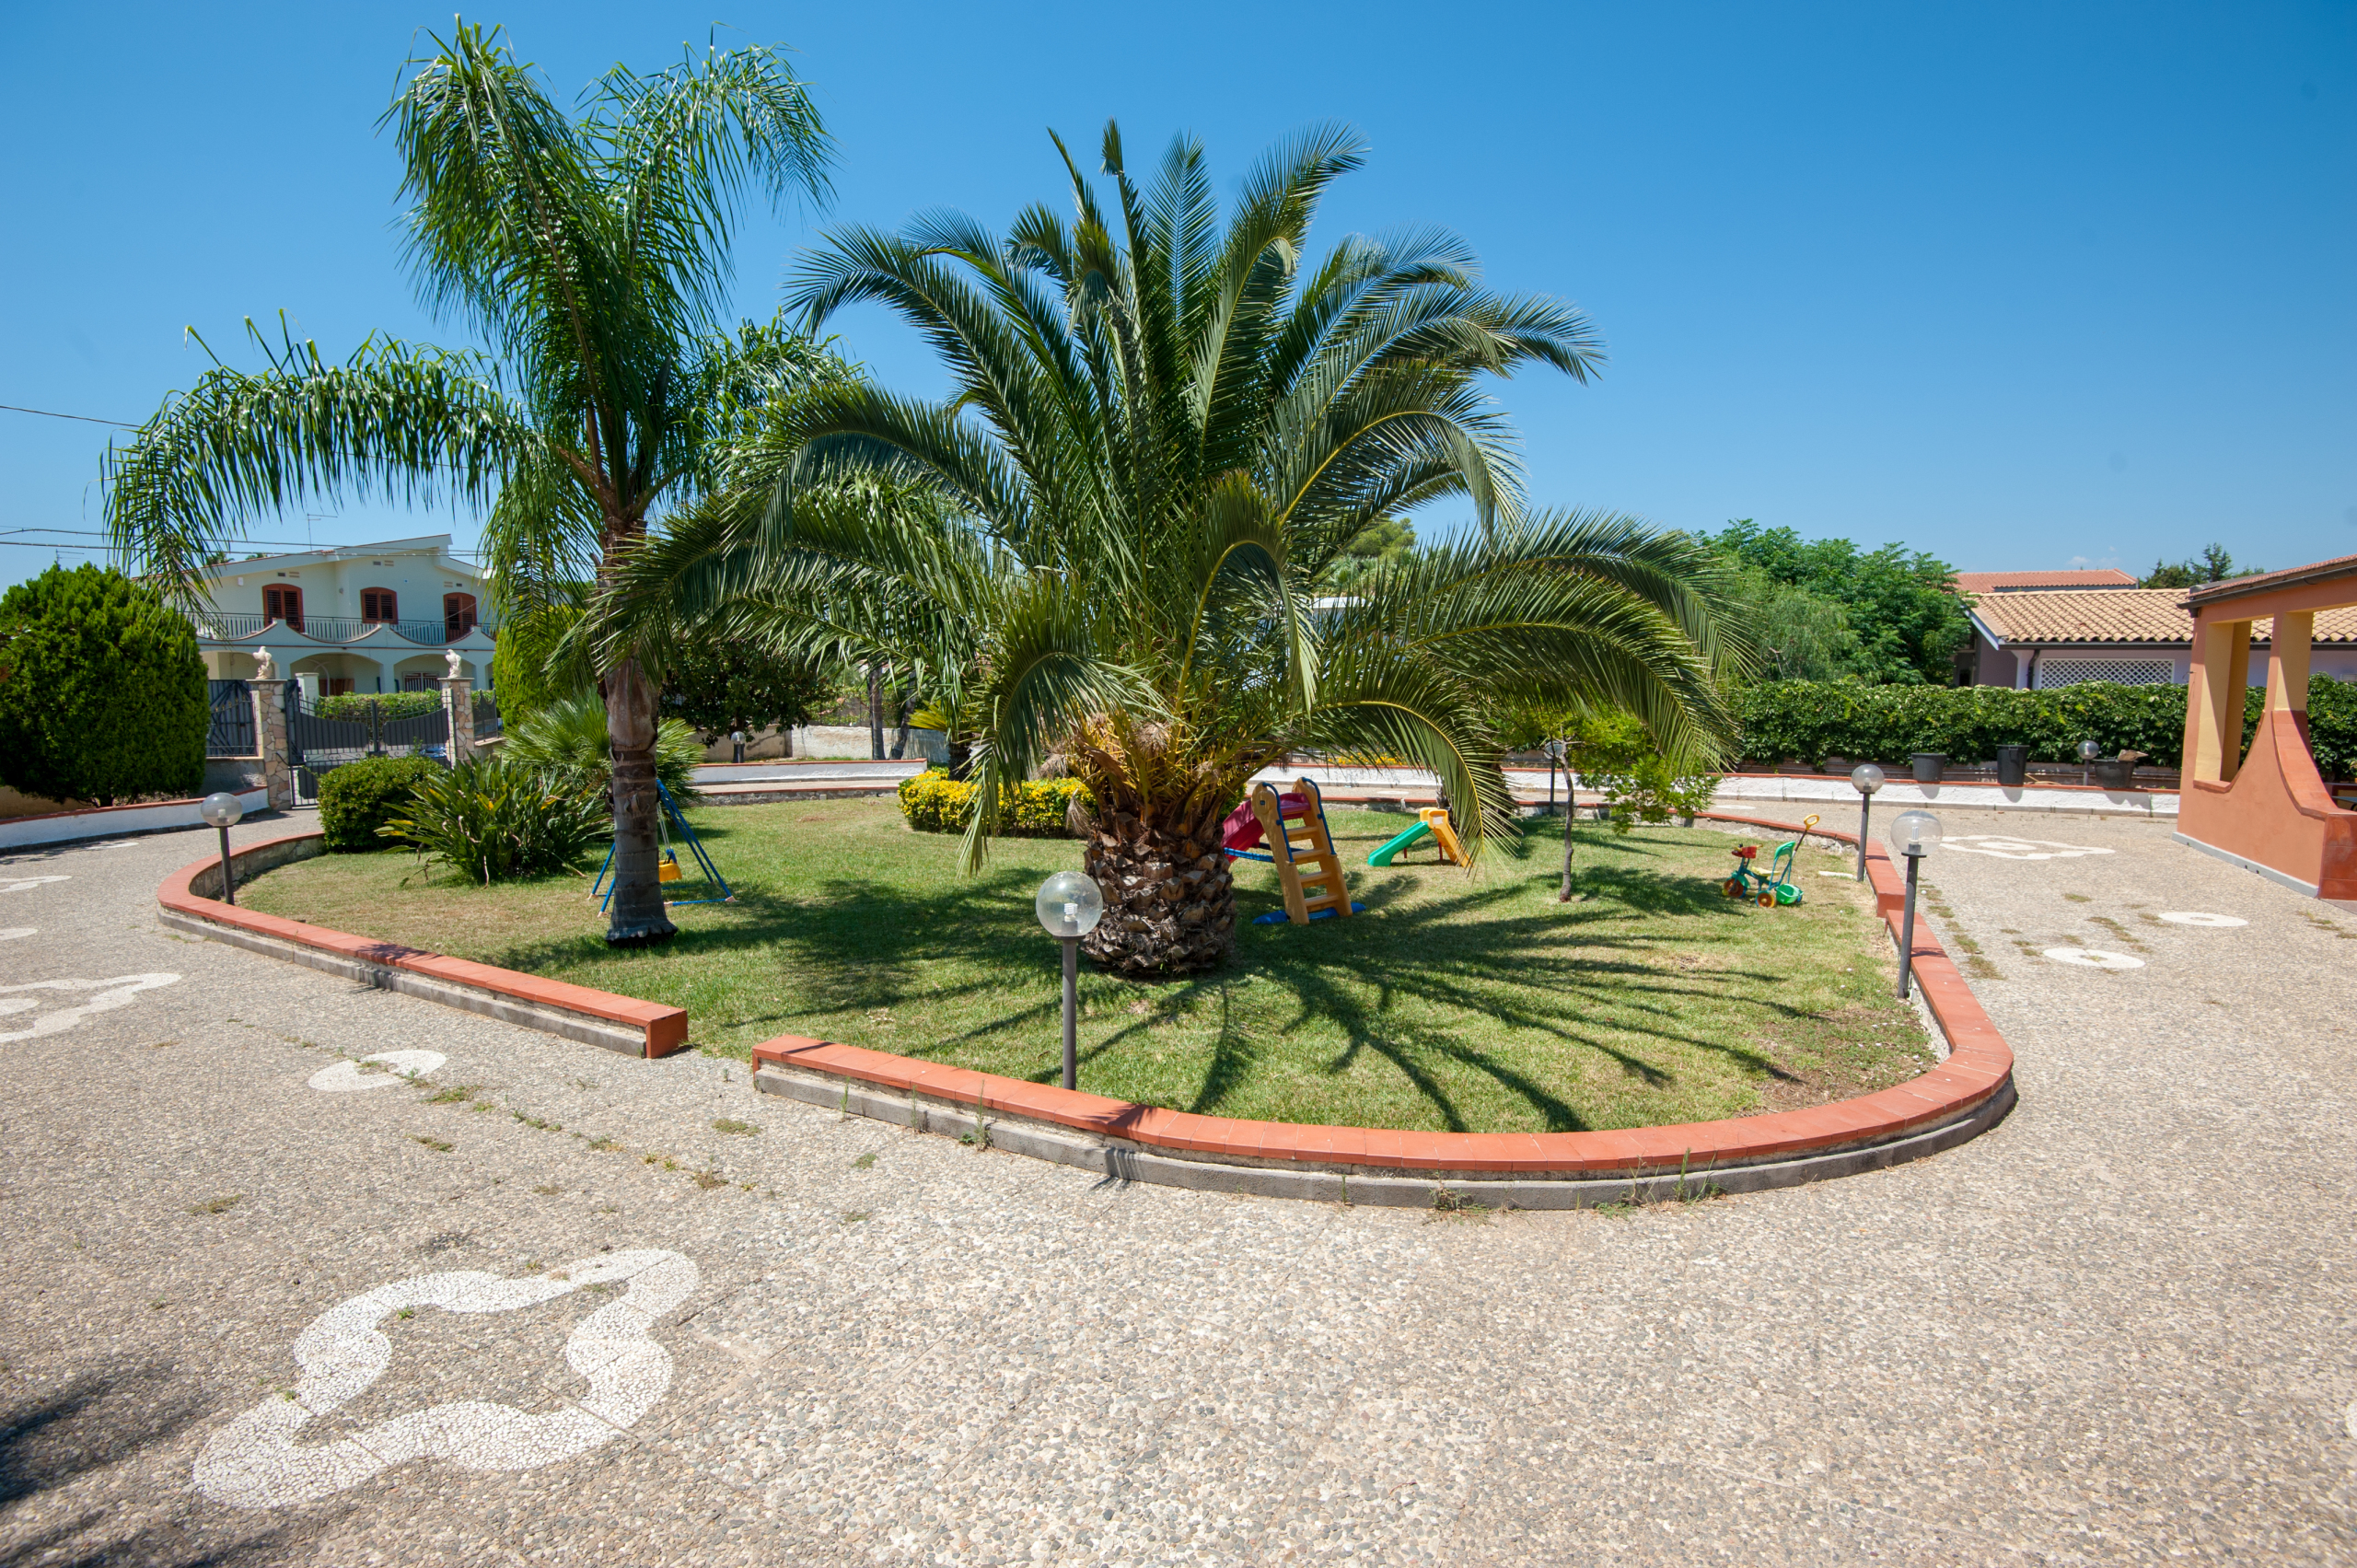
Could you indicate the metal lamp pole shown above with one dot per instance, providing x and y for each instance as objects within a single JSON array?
[
  {"x": 1914, "y": 855},
  {"x": 1069, "y": 906},
  {"x": 1071, "y": 1010},
  {"x": 1913, "y": 834},
  {"x": 1865, "y": 778},
  {"x": 222, "y": 810}
]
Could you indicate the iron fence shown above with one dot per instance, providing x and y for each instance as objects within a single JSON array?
[
  {"x": 487, "y": 720},
  {"x": 320, "y": 745},
  {"x": 232, "y": 733}
]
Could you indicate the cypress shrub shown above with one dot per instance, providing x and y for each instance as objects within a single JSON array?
[{"x": 104, "y": 696}]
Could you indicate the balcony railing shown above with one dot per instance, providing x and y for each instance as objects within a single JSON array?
[{"x": 329, "y": 629}]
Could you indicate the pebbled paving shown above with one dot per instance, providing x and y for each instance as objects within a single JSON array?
[{"x": 2118, "y": 1328}]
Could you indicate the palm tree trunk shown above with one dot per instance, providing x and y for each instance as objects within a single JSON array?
[
  {"x": 636, "y": 914},
  {"x": 1169, "y": 897}
]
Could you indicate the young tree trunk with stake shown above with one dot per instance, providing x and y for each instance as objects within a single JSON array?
[
  {"x": 875, "y": 713},
  {"x": 636, "y": 916}
]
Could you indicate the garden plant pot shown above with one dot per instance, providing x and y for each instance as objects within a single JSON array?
[
  {"x": 1928, "y": 765},
  {"x": 2013, "y": 766},
  {"x": 2114, "y": 774}
]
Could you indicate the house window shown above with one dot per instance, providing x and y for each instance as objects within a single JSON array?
[
  {"x": 377, "y": 604},
  {"x": 458, "y": 615},
  {"x": 2126, "y": 671},
  {"x": 282, "y": 602}
]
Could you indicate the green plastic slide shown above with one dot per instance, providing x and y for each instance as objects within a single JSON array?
[{"x": 1383, "y": 856}]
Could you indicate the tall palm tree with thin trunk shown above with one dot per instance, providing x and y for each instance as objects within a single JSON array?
[
  {"x": 1119, "y": 551},
  {"x": 591, "y": 254}
]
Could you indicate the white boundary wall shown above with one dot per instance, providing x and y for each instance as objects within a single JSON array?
[{"x": 111, "y": 821}]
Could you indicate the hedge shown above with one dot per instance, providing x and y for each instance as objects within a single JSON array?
[
  {"x": 935, "y": 803},
  {"x": 360, "y": 798},
  {"x": 1809, "y": 721},
  {"x": 390, "y": 705},
  {"x": 103, "y": 692}
]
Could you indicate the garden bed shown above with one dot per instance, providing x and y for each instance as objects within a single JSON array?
[{"x": 1458, "y": 1003}]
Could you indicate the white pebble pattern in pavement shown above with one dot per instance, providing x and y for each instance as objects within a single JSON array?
[{"x": 2115, "y": 1327}]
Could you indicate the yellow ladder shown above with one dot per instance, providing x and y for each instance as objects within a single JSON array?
[{"x": 1303, "y": 855}]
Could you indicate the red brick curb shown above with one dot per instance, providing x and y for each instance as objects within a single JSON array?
[
  {"x": 661, "y": 1030},
  {"x": 1979, "y": 1068}
]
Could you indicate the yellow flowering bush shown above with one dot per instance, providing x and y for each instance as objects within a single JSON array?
[{"x": 935, "y": 803}]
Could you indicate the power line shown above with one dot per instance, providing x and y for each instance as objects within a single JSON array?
[{"x": 52, "y": 413}]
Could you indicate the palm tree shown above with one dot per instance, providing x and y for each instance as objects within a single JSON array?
[
  {"x": 1165, "y": 435},
  {"x": 593, "y": 254}
]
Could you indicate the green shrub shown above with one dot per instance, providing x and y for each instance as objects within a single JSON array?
[
  {"x": 389, "y": 706},
  {"x": 935, "y": 803},
  {"x": 104, "y": 696},
  {"x": 492, "y": 819},
  {"x": 567, "y": 742},
  {"x": 358, "y": 799},
  {"x": 1809, "y": 721}
]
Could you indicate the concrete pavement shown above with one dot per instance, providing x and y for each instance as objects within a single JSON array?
[{"x": 2117, "y": 1329}]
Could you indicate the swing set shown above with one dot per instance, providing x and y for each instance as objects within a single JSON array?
[{"x": 670, "y": 870}]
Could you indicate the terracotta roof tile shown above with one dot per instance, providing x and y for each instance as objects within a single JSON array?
[
  {"x": 2000, "y": 582},
  {"x": 2121, "y": 615}
]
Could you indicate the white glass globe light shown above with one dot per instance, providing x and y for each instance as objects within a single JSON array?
[
  {"x": 2089, "y": 750},
  {"x": 1068, "y": 905},
  {"x": 1912, "y": 832},
  {"x": 221, "y": 811},
  {"x": 1865, "y": 778}
]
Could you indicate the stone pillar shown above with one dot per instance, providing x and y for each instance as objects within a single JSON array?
[
  {"x": 270, "y": 731},
  {"x": 458, "y": 697}
]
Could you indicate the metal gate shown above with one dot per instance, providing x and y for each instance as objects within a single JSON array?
[
  {"x": 232, "y": 733},
  {"x": 320, "y": 745}
]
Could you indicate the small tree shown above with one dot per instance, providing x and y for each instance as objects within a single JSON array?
[
  {"x": 533, "y": 667},
  {"x": 104, "y": 697},
  {"x": 718, "y": 687}
]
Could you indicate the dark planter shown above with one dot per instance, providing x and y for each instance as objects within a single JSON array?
[
  {"x": 2116, "y": 774},
  {"x": 1928, "y": 765},
  {"x": 2013, "y": 766}
]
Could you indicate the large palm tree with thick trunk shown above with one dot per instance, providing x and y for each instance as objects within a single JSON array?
[
  {"x": 591, "y": 254},
  {"x": 1118, "y": 552}
]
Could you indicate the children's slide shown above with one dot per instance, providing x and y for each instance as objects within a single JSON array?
[{"x": 1431, "y": 822}]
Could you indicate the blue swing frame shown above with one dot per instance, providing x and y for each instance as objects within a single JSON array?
[{"x": 695, "y": 847}]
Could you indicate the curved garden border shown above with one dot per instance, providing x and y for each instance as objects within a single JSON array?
[
  {"x": 1964, "y": 1096},
  {"x": 594, "y": 1018}
]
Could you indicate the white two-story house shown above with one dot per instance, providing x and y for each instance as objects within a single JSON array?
[{"x": 361, "y": 619}]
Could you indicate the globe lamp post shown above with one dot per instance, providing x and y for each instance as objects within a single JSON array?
[
  {"x": 1912, "y": 834},
  {"x": 222, "y": 810},
  {"x": 1069, "y": 906},
  {"x": 1865, "y": 778},
  {"x": 2088, "y": 752}
]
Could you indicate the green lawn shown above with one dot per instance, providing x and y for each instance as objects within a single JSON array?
[{"x": 1470, "y": 1002}]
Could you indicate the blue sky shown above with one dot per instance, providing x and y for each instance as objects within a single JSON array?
[{"x": 2021, "y": 286}]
